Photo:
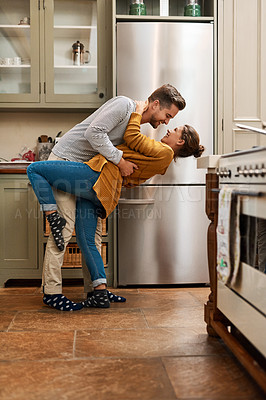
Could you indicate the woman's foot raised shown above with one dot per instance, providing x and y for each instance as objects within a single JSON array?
[{"x": 57, "y": 224}]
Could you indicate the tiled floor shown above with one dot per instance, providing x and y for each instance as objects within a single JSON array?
[{"x": 153, "y": 347}]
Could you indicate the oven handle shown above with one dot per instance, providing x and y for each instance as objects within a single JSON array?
[{"x": 243, "y": 193}]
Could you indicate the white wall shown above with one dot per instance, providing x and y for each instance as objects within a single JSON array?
[{"x": 19, "y": 129}]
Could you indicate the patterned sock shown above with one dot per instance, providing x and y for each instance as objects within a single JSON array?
[
  {"x": 98, "y": 299},
  {"x": 61, "y": 302},
  {"x": 57, "y": 224},
  {"x": 113, "y": 298}
]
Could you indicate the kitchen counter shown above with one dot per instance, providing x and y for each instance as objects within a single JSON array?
[
  {"x": 14, "y": 167},
  {"x": 13, "y": 170},
  {"x": 209, "y": 162}
]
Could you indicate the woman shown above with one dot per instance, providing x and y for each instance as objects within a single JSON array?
[{"x": 97, "y": 185}]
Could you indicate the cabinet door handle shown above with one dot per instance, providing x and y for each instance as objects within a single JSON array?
[
  {"x": 29, "y": 184},
  {"x": 263, "y": 125},
  {"x": 43, "y": 4}
]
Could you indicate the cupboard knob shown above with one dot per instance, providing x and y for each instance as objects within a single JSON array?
[{"x": 101, "y": 95}]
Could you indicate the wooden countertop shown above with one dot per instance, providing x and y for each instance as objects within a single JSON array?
[
  {"x": 13, "y": 167},
  {"x": 13, "y": 170}
]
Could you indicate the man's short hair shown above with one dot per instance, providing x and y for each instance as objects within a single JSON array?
[{"x": 168, "y": 95}]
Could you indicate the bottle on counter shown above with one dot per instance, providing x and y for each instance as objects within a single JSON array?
[
  {"x": 137, "y": 7},
  {"x": 192, "y": 9}
]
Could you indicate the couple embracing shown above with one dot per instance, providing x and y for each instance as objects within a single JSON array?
[{"x": 81, "y": 182}]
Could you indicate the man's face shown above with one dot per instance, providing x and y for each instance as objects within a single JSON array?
[{"x": 162, "y": 116}]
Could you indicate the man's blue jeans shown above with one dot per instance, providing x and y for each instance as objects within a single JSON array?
[{"x": 78, "y": 179}]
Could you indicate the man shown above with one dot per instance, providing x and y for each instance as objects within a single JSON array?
[{"x": 99, "y": 133}]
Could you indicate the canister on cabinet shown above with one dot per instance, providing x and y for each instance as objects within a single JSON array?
[
  {"x": 192, "y": 9},
  {"x": 137, "y": 7}
]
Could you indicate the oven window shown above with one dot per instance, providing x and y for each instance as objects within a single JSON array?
[{"x": 253, "y": 241}]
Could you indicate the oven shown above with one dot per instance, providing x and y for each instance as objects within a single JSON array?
[{"x": 241, "y": 291}]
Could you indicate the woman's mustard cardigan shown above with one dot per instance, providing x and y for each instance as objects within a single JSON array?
[{"x": 150, "y": 156}]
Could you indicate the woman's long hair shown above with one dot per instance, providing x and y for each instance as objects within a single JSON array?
[{"x": 191, "y": 147}]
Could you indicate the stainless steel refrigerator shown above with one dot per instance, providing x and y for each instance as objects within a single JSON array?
[{"x": 162, "y": 226}]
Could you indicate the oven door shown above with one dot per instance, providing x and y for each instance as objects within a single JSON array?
[{"x": 243, "y": 300}]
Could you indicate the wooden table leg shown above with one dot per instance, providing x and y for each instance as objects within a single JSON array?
[{"x": 212, "y": 214}]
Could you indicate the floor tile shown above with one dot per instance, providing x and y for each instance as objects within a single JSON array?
[
  {"x": 124, "y": 291},
  {"x": 190, "y": 317},
  {"x": 129, "y": 379},
  {"x": 54, "y": 320},
  {"x": 6, "y": 317},
  {"x": 39, "y": 290},
  {"x": 210, "y": 377},
  {"x": 145, "y": 343},
  {"x": 159, "y": 300},
  {"x": 17, "y": 290},
  {"x": 18, "y": 302},
  {"x": 179, "y": 289},
  {"x": 201, "y": 295},
  {"x": 35, "y": 345}
]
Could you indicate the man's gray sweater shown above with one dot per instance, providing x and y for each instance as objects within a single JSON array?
[{"x": 98, "y": 133}]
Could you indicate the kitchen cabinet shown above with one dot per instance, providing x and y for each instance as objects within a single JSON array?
[
  {"x": 18, "y": 229},
  {"x": 37, "y": 67},
  {"x": 242, "y": 79},
  {"x": 164, "y": 8}
]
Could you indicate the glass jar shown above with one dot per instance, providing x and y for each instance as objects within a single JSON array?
[
  {"x": 137, "y": 7},
  {"x": 192, "y": 9}
]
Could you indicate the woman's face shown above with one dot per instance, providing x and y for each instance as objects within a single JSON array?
[{"x": 173, "y": 136}]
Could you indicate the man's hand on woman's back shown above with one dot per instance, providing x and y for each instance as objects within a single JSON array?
[{"x": 126, "y": 167}]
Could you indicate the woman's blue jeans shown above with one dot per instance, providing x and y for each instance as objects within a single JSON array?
[{"x": 78, "y": 179}]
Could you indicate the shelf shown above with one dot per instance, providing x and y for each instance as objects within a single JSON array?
[
  {"x": 81, "y": 32},
  {"x": 158, "y": 18},
  {"x": 14, "y": 30},
  {"x": 16, "y": 66},
  {"x": 75, "y": 27},
  {"x": 76, "y": 66},
  {"x": 22, "y": 26}
]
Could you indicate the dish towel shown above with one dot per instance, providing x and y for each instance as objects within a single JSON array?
[{"x": 228, "y": 235}]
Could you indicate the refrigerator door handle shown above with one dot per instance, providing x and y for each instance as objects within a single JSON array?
[{"x": 136, "y": 201}]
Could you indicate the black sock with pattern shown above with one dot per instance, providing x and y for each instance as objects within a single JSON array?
[
  {"x": 61, "y": 302},
  {"x": 57, "y": 224},
  {"x": 113, "y": 298},
  {"x": 98, "y": 299}
]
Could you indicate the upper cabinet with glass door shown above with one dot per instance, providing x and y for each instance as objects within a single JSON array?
[
  {"x": 75, "y": 51},
  {"x": 182, "y": 10},
  {"x": 53, "y": 53},
  {"x": 19, "y": 51}
]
